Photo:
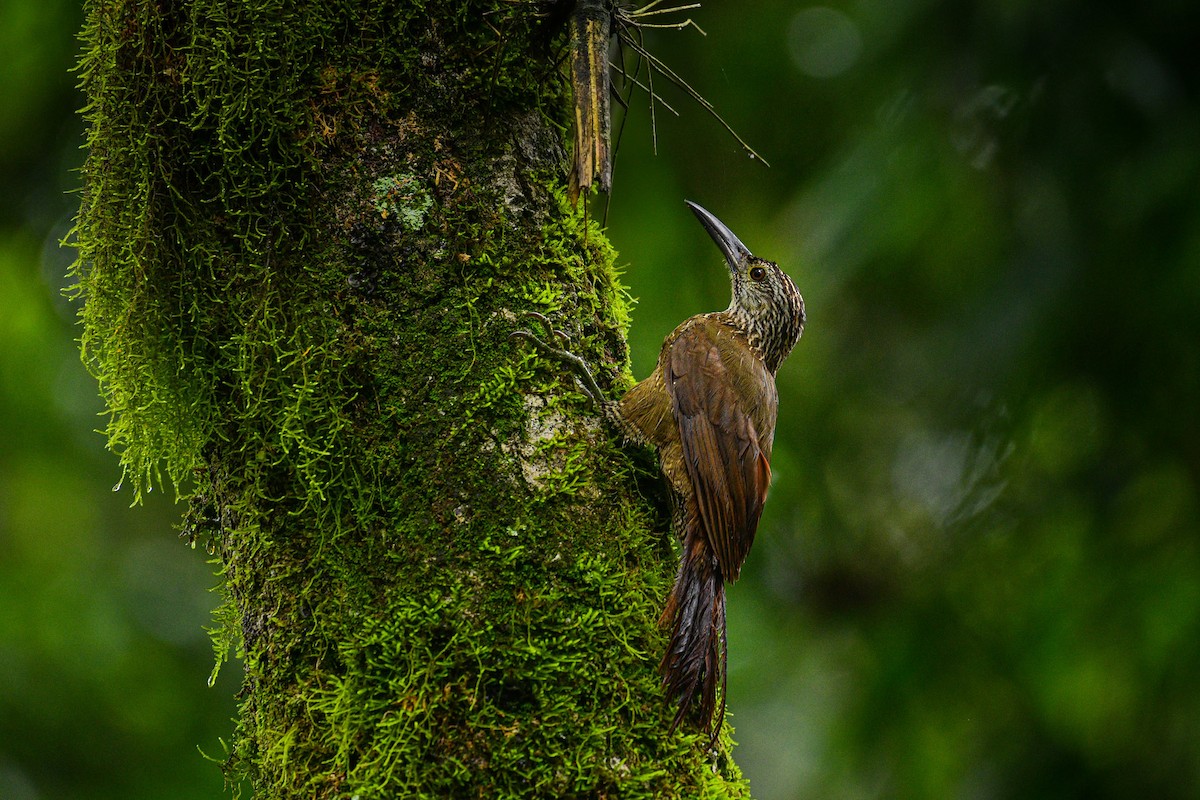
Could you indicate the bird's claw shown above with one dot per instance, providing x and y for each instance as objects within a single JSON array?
[
  {"x": 545, "y": 322},
  {"x": 551, "y": 333},
  {"x": 560, "y": 354}
]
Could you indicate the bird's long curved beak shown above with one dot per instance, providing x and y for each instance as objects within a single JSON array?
[{"x": 735, "y": 252}]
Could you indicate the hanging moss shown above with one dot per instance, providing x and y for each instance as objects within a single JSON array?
[{"x": 308, "y": 231}]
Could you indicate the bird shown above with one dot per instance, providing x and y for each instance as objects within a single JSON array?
[{"x": 709, "y": 408}]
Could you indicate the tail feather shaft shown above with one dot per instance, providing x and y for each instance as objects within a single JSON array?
[{"x": 695, "y": 660}]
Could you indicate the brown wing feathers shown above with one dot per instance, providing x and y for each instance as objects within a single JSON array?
[
  {"x": 728, "y": 471},
  {"x": 728, "y": 474}
]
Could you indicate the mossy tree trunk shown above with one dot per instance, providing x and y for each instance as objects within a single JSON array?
[{"x": 307, "y": 232}]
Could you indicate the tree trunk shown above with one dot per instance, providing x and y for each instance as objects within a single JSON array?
[{"x": 307, "y": 232}]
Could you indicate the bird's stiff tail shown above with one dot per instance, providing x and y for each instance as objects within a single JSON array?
[{"x": 695, "y": 659}]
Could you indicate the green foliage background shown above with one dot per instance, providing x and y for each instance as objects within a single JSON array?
[{"x": 978, "y": 574}]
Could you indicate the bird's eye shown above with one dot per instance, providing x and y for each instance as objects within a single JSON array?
[{"x": 757, "y": 274}]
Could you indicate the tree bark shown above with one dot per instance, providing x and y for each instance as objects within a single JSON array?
[{"x": 307, "y": 231}]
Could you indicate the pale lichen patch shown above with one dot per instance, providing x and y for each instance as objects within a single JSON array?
[{"x": 542, "y": 424}]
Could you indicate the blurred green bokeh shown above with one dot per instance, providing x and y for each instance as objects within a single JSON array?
[
  {"x": 104, "y": 661},
  {"x": 978, "y": 574}
]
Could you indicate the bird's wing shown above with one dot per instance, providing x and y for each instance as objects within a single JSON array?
[{"x": 728, "y": 469}]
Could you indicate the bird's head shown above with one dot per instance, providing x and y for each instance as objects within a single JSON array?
[{"x": 765, "y": 302}]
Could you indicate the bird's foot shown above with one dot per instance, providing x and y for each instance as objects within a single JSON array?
[{"x": 565, "y": 357}]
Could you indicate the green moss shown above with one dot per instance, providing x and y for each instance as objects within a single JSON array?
[{"x": 308, "y": 231}]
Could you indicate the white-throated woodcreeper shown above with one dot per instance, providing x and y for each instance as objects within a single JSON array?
[{"x": 709, "y": 408}]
